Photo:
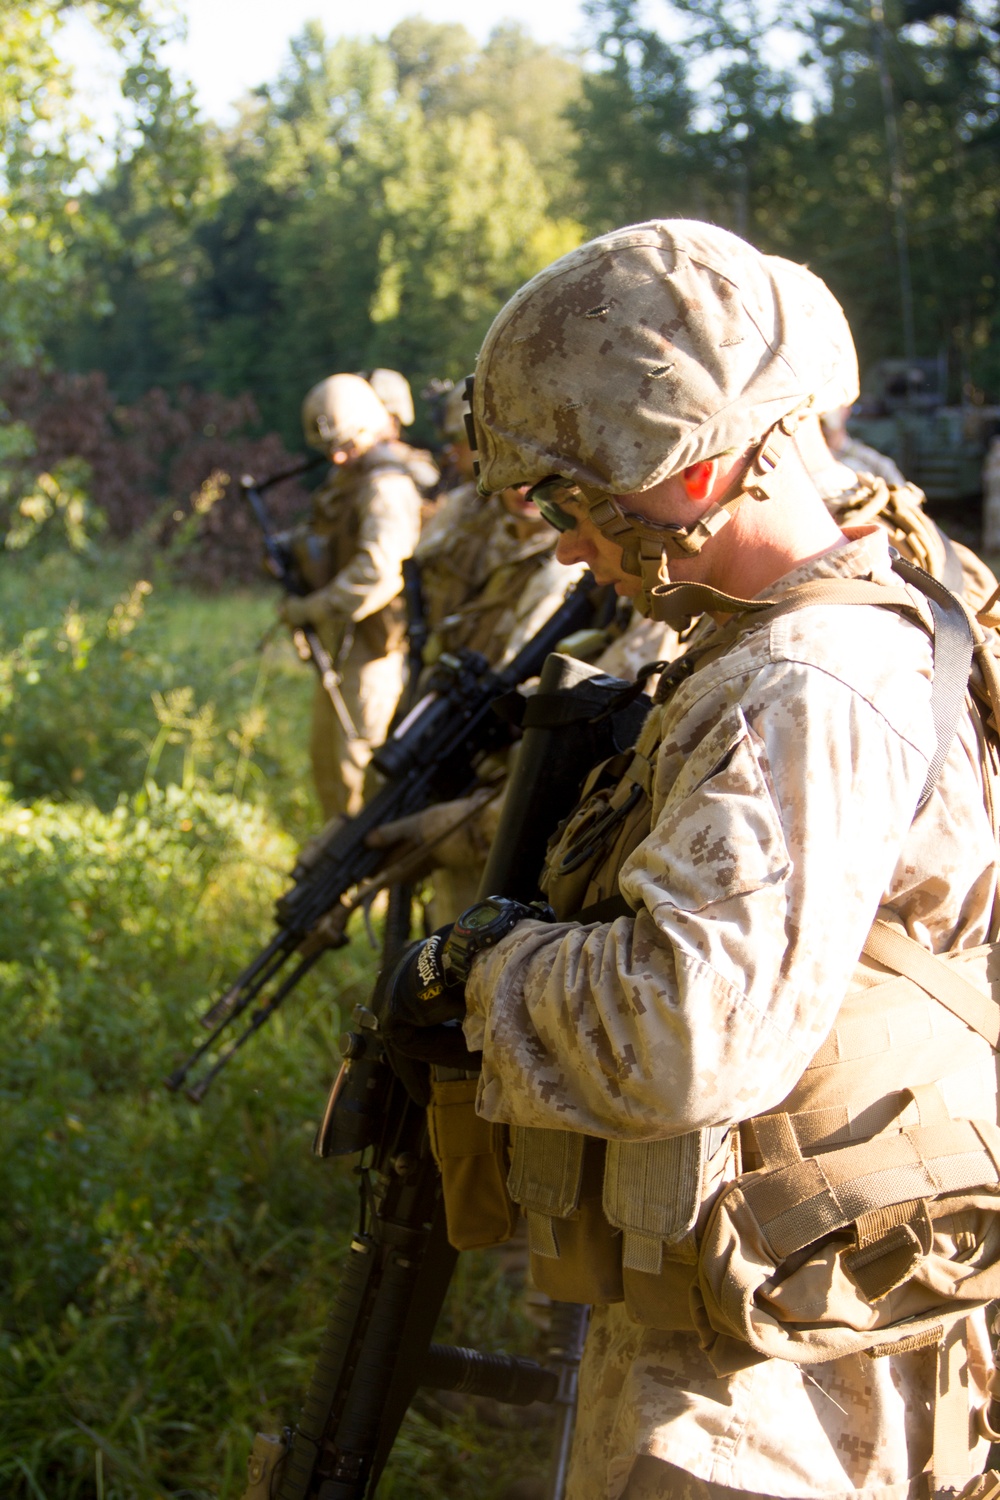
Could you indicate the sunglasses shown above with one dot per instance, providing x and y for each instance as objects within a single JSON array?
[{"x": 543, "y": 497}]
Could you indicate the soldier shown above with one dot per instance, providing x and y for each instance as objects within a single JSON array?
[
  {"x": 490, "y": 580},
  {"x": 393, "y": 390},
  {"x": 366, "y": 520},
  {"x": 853, "y": 453},
  {"x": 730, "y": 1130},
  {"x": 487, "y": 568}
]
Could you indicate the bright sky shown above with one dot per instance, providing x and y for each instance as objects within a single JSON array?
[{"x": 232, "y": 45}]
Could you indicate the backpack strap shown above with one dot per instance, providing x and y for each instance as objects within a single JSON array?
[
  {"x": 951, "y": 574},
  {"x": 895, "y": 950},
  {"x": 953, "y": 644}
]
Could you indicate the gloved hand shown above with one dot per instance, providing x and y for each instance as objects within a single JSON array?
[
  {"x": 419, "y": 991},
  {"x": 444, "y": 1045},
  {"x": 304, "y": 609},
  {"x": 465, "y": 845}
]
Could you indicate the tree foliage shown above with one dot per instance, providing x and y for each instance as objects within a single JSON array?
[
  {"x": 378, "y": 200},
  {"x": 43, "y": 138},
  {"x": 374, "y": 204},
  {"x": 775, "y": 124}
]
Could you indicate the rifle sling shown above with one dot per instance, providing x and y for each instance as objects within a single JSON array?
[{"x": 605, "y": 911}]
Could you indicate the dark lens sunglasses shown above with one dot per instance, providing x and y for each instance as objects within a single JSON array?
[{"x": 543, "y": 494}]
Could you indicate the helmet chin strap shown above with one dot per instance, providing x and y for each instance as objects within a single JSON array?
[{"x": 647, "y": 546}]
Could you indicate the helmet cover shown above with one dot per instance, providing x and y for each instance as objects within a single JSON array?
[
  {"x": 393, "y": 390},
  {"x": 649, "y": 349},
  {"x": 339, "y": 410}
]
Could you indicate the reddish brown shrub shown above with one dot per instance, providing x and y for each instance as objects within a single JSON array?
[{"x": 150, "y": 462}]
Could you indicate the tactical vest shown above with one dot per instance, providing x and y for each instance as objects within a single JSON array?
[
  {"x": 859, "y": 1216},
  {"x": 478, "y": 623},
  {"x": 452, "y": 565}
]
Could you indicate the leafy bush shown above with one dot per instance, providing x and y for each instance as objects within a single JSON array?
[
  {"x": 168, "y": 1269},
  {"x": 161, "y": 1261},
  {"x": 107, "y": 679}
]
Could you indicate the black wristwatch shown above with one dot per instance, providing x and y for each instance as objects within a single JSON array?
[{"x": 483, "y": 925}]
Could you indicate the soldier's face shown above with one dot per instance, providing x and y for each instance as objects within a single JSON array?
[
  {"x": 345, "y": 454},
  {"x": 582, "y": 542}
]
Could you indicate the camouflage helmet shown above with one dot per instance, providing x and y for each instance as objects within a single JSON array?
[
  {"x": 649, "y": 349},
  {"x": 393, "y": 390},
  {"x": 341, "y": 409}
]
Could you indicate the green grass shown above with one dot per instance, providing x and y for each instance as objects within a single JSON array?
[{"x": 166, "y": 1270}]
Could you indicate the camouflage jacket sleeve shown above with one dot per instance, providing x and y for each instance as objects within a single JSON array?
[
  {"x": 786, "y": 785},
  {"x": 389, "y": 526}
]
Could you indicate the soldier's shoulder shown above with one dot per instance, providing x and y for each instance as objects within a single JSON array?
[{"x": 393, "y": 457}]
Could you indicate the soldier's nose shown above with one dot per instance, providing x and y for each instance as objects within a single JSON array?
[{"x": 570, "y": 547}]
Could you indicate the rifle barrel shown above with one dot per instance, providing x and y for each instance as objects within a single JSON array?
[{"x": 197, "y": 1093}]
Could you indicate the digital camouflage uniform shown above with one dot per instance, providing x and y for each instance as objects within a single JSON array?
[
  {"x": 485, "y": 589},
  {"x": 785, "y": 779},
  {"x": 485, "y": 586},
  {"x": 369, "y": 516},
  {"x": 781, "y": 779}
]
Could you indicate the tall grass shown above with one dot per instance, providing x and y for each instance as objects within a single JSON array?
[{"x": 165, "y": 1269}]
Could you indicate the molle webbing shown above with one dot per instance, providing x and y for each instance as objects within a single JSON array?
[
  {"x": 796, "y": 1200},
  {"x": 652, "y": 1193},
  {"x": 546, "y": 1174}
]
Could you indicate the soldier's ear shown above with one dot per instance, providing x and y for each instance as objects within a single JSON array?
[{"x": 699, "y": 479}]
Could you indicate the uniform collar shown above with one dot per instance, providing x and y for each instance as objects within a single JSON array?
[{"x": 864, "y": 554}]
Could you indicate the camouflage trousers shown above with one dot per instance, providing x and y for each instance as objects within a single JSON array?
[
  {"x": 850, "y": 1427},
  {"x": 371, "y": 688}
]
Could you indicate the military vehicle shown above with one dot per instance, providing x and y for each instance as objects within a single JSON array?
[{"x": 904, "y": 412}]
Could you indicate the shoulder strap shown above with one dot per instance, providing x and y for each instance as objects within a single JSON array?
[
  {"x": 895, "y": 950},
  {"x": 951, "y": 574},
  {"x": 682, "y": 601},
  {"x": 953, "y": 639},
  {"x": 953, "y": 643}
]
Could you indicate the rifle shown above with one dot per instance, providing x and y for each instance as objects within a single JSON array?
[
  {"x": 432, "y": 756},
  {"x": 282, "y": 566},
  {"x": 376, "y": 1350}
]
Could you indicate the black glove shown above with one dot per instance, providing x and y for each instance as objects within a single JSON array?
[
  {"x": 420, "y": 990},
  {"x": 443, "y": 1045}
]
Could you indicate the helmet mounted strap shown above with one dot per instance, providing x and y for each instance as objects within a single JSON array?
[{"x": 647, "y": 546}]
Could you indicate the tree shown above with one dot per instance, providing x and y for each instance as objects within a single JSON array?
[
  {"x": 362, "y": 210},
  {"x": 40, "y": 159},
  {"x": 525, "y": 88},
  {"x": 702, "y": 122}
]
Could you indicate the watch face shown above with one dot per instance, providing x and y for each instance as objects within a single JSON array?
[{"x": 482, "y": 915}]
